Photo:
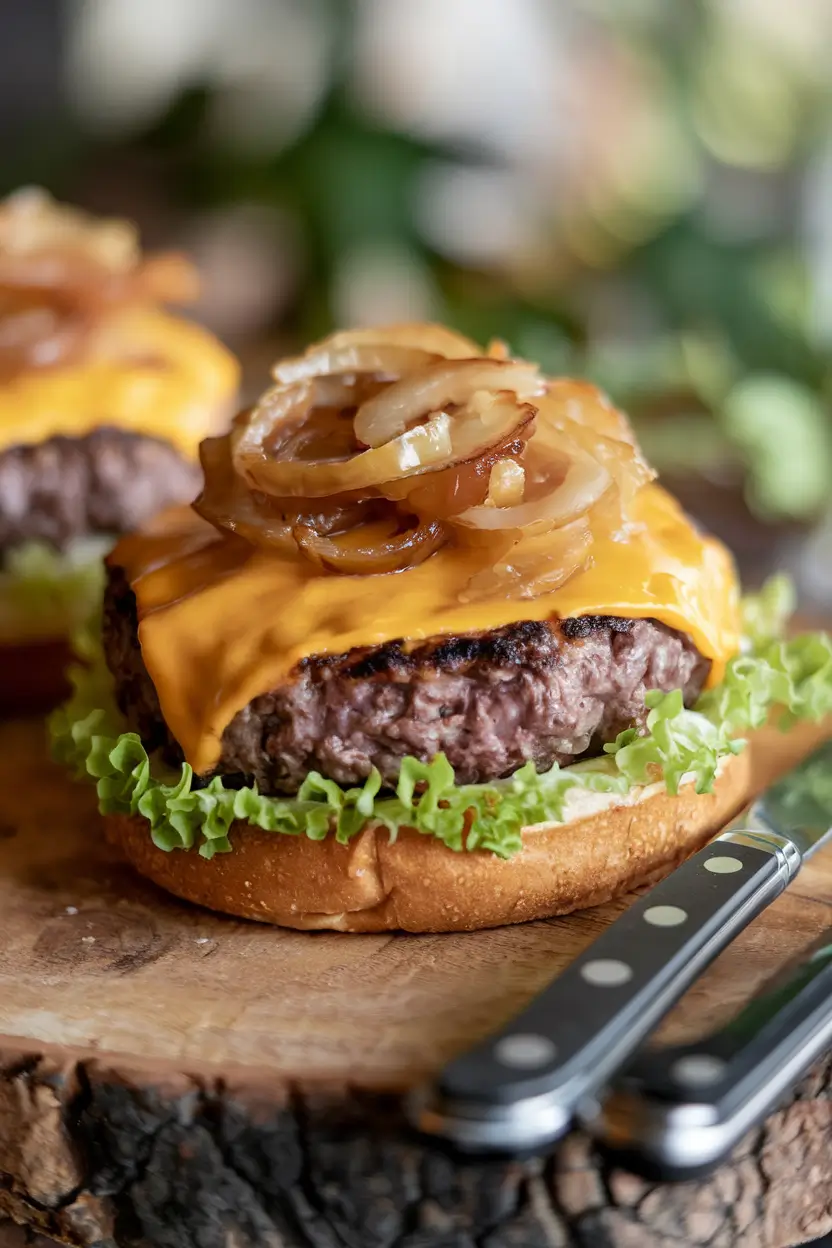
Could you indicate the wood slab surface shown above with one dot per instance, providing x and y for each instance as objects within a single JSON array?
[{"x": 168, "y": 1076}]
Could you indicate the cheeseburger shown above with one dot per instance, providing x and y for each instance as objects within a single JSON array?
[
  {"x": 432, "y": 650},
  {"x": 104, "y": 399}
]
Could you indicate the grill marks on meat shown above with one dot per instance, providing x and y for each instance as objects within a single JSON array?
[
  {"x": 586, "y": 625},
  {"x": 506, "y": 648},
  {"x": 109, "y": 481},
  {"x": 549, "y": 692}
]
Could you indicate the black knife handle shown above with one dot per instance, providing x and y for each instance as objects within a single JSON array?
[
  {"x": 678, "y": 1112},
  {"x": 589, "y": 1019}
]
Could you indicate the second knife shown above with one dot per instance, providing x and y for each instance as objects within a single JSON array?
[{"x": 676, "y": 1113}]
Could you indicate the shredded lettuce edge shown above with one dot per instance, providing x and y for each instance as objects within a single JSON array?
[{"x": 793, "y": 675}]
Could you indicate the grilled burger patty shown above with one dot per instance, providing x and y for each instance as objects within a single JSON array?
[
  {"x": 109, "y": 481},
  {"x": 546, "y": 691}
]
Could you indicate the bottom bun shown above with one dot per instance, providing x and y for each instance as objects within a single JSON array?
[
  {"x": 33, "y": 676},
  {"x": 417, "y": 884}
]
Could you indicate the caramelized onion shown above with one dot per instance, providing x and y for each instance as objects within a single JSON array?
[
  {"x": 442, "y": 440},
  {"x": 394, "y": 351},
  {"x": 413, "y": 452},
  {"x": 506, "y": 483},
  {"x": 534, "y": 565},
  {"x": 585, "y": 404},
  {"x": 584, "y": 483},
  {"x": 227, "y": 504},
  {"x": 372, "y": 358},
  {"x": 36, "y": 333},
  {"x": 164, "y": 278},
  {"x": 368, "y": 558},
  {"x": 45, "y": 245},
  {"x": 285, "y": 420},
  {"x": 625, "y": 465},
  {"x": 376, "y": 447},
  {"x": 580, "y": 413},
  {"x": 437, "y": 387},
  {"x": 62, "y": 272},
  {"x": 446, "y": 492}
]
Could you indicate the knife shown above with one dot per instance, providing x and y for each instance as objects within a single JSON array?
[
  {"x": 519, "y": 1090},
  {"x": 678, "y": 1112}
]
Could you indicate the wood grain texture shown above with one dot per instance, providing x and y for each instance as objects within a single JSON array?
[{"x": 169, "y": 1077}]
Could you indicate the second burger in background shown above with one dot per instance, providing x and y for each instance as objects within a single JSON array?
[{"x": 104, "y": 399}]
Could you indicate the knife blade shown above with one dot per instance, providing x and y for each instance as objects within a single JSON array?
[
  {"x": 678, "y": 1112},
  {"x": 520, "y": 1088}
]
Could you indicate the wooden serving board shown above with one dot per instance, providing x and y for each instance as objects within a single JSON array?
[{"x": 170, "y": 1077}]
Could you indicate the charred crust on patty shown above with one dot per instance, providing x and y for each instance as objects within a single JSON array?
[
  {"x": 585, "y": 625},
  {"x": 505, "y": 647},
  {"x": 362, "y": 663}
]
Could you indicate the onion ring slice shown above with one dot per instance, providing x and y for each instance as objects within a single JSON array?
[
  {"x": 441, "y": 441},
  {"x": 226, "y": 503},
  {"x": 415, "y": 451},
  {"x": 388, "y": 414},
  {"x": 602, "y": 431},
  {"x": 391, "y": 361},
  {"x": 390, "y": 554},
  {"x": 394, "y": 350}
]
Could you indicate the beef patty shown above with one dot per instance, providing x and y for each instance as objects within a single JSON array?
[
  {"x": 546, "y": 691},
  {"x": 109, "y": 481}
]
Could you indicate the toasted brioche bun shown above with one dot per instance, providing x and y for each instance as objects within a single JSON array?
[{"x": 417, "y": 884}]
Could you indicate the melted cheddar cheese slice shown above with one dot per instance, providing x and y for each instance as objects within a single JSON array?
[
  {"x": 221, "y": 622},
  {"x": 148, "y": 373}
]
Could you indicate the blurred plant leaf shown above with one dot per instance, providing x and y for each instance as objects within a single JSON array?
[
  {"x": 686, "y": 444},
  {"x": 785, "y": 433}
]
